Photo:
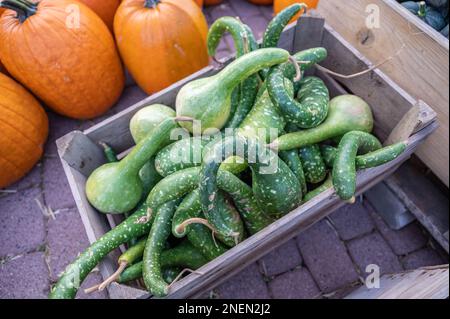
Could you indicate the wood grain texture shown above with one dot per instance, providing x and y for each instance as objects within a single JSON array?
[
  {"x": 421, "y": 68},
  {"x": 423, "y": 283}
]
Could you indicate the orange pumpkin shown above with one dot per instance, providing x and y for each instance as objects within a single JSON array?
[
  {"x": 161, "y": 41},
  {"x": 24, "y": 129},
  {"x": 199, "y": 2},
  {"x": 261, "y": 2},
  {"x": 105, "y": 9},
  {"x": 66, "y": 58},
  {"x": 212, "y": 2},
  {"x": 279, "y": 5}
]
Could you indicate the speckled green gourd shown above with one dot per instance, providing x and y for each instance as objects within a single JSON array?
[
  {"x": 149, "y": 176},
  {"x": 271, "y": 177},
  {"x": 344, "y": 168},
  {"x": 311, "y": 107},
  {"x": 180, "y": 155},
  {"x": 319, "y": 190},
  {"x": 184, "y": 255},
  {"x": 116, "y": 187},
  {"x": 292, "y": 159},
  {"x": 369, "y": 160},
  {"x": 75, "y": 273},
  {"x": 347, "y": 113},
  {"x": 183, "y": 182},
  {"x": 244, "y": 95},
  {"x": 198, "y": 235},
  {"x": 313, "y": 164},
  {"x": 159, "y": 233},
  {"x": 275, "y": 29},
  {"x": 209, "y": 99}
]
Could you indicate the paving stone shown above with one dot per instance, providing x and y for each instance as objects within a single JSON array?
[
  {"x": 280, "y": 260},
  {"x": 245, "y": 9},
  {"x": 403, "y": 241},
  {"x": 59, "y": 126},
  {"x": 326, "y": 257},
  {"x": 22, "y": 224},
  {"x": 25, "y": 277},
  {"x": 267, "y": 12},
  {"x": 57, "y": 191},
  {"x": 248, "y": 284},
  {"x": 221, "y": 10},
  {"x": 66, "y": 238},
  {"x": 32, "y": 179},
  {"x": 93, "y": 279},
  {"x": 422, "y": 258},
  {"x": 297, "y": 284},
  {"x": 352, "y": 221},
  {"x": 373, "y": 250},
  {"x": 258, "y": 24}
]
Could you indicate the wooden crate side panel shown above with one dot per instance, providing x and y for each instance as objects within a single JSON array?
[{"x": 421, "y": 68}]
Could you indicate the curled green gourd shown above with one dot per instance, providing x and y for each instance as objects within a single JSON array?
[
  {"x": 344, "y": 168},
  {"x": 208, "y": 100},
  {"x": 271, "y": 177}
]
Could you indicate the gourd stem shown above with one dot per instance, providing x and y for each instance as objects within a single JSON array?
[
  {"x": 151, "y": 3},
  {"x": 23, "y": 8},
  {"x": 422, "y": 9}
]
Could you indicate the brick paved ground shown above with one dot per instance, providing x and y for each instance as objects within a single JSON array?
[{"x": 324, "y": 261}]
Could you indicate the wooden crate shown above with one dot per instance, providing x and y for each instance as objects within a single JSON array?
[
  {"x": 397, "y": 116},
  {"x": 421, "y": 68}
]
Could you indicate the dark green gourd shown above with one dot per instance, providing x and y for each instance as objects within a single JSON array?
[
  {"x": 344, "y": 168},
  {"x": 271, "y": 177},
  {"x": 116, "y": 187},
  {"x": 313, "y": 164},
  {"x": 431, "y": 16},
  {"x": 347, "y": 113},
  {"x": 209, "y": 99}
]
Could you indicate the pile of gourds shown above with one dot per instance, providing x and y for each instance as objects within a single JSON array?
[
  {"x": 190, "y": 200},
  {"x": 433, "y": 12}
]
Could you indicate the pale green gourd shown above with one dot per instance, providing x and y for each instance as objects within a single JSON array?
[{"x": 208, "y": 100}]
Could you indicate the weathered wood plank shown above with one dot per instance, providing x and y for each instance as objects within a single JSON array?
[
  {"x": 421, "y": 68},
  {"x": 423, "y": 283}
]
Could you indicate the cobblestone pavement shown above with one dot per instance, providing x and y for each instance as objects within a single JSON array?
[{"x": 323, "y": 261}]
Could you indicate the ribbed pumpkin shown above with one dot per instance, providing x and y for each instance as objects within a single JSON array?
[
  {"x": 161, "y": 41},
  {"x": 74, "y": 68},
  {"x": 280, "y": 5},
  {"x": 212, "y": 2},
  {"x": 105, "y": 9},
  {"x": 24, "y": 129},
  {"x": 261, "y": 2}
]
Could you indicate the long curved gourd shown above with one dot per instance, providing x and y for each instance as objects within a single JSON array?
[
  {"x": 347, "y": 113},
  {"x": 344, "y": 168},
  {"x": 208, "y": 100},
  {"x": 275, "y": 29},
  {"x": 116, "y": 187},
  {"x": 319, "y": 190},
  {"x": 159, "y": 233},
  {"x": 311, "y": 107},
  {"x": 75, "y": 273},
  {"x": 271, "y": 177}
]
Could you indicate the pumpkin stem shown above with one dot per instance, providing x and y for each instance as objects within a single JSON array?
[
  {"x": 24, "y": 8},
  {"x": 151, "y": 3},
  {"x": 422, "y": 9}
]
